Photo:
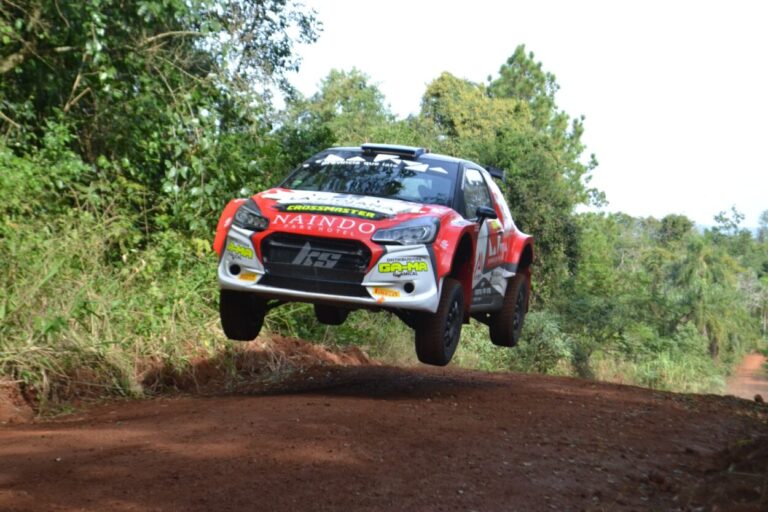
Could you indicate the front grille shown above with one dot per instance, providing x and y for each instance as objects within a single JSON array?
[{"x": 312, "y": 264}]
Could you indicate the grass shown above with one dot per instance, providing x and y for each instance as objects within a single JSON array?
[
  {"x": 72, "y": 318},
  {"x": 666, "y": 371}
]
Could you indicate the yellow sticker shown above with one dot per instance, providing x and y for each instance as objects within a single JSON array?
[
  {"x": 333, "y": 210},
  {"x": 386, "y": 292},
  {"x": 399, "y": 268},
  {"x": 241, "y": 250},
  {"x": 247, "y": 276}
]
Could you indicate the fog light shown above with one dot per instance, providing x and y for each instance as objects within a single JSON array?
[
  {"x": 408, "y": 287},
  {"x": 234, "y": 269}
]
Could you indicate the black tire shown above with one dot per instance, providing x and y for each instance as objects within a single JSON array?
[
  {"x": 507, "y": 324},
  {"x": 437, "y": 335},
  {"x": 242, "y": 314},
  {"x": 330, "y": 315}
]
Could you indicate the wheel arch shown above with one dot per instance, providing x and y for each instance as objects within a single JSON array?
[
  {"x": 526, "y": 259},
  {"x": 524, "y": 267},
  {"x": 522, "y": 254},
  {"x": 462, "y": 267}
]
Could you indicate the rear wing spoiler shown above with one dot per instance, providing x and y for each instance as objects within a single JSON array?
[{"x": 495, "y": 172}]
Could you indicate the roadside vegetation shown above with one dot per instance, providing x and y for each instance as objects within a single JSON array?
[{"x": 126, "y": 126}]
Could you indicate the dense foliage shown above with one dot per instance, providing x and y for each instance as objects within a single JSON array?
[{"x": 126, "y": 126}]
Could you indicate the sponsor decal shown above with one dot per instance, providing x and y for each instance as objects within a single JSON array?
[
  {"x": 240, "y": 250},
  {"x": 386, "y": 207},
  {"x": 247, "y": 276},
  {"x": 330, "y": 210},
  {"x": 496, "y": 250},
  {"x": 386, "y": 292},
  {"x": 324, "y": 224},
  {"x": 331, "y": 160},
  {"x": 484, "y": 292},
  {"x": 494, "y": 224},
  {"x": 322, "y": 259},
  {"x": 403, "y": 268},
  {"x": 382, "y": 157}
]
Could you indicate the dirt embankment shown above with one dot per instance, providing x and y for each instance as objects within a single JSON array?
[{"x": 381, "y": 438}]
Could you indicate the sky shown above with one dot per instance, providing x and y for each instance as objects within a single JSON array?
[{"x": 674, "y": 93}]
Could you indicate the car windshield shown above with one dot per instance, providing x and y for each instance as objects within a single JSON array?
[{"x": 425, "y": 181}]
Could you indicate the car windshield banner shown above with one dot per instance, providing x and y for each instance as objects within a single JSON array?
[{"x": 325, "y": 209}]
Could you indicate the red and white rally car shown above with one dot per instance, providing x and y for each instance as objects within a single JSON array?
[{"x": 425, "y": 236}]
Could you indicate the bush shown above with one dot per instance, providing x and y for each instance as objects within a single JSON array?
[
  {"x": 544, "y": 348},
  {"x": 66, "y": 307}
]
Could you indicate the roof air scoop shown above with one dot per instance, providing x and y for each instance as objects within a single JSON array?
[{"x": 409, "y": 152}]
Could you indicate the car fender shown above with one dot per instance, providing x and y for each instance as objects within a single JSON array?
[
  {"x": 520, "y": 257},
  {"x": 225, "y": 222},
  {"x": 517, "y": 260},
  {"x": 452, "y": 232}
]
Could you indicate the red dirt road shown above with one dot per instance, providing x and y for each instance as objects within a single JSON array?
[
  {"x": 750, "y": 378},
  {"x": 379, "y": 438}
]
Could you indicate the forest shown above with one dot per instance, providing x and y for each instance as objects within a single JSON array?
[{"x": 125, "y": 127}]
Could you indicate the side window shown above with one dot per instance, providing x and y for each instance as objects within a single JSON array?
[{"x": 475, "y": 193}]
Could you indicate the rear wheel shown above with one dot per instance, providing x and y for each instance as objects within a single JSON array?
[
  {"x": 330, "y": 315},
  {"x": 507, "y": 324},
  {"x": 242, "y": 314},
  {"x": 437, "y": 335}
]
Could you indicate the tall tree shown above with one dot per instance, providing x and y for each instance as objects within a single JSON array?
[
  {"x": 514, "y": 123},
  {"x": 762, "y": 227},
  {"x": 348, "y": 105},
  {"x": 151, "y": 89},
  {"x": 674, "y": 228},
  {"x": 525, "y": 80}
]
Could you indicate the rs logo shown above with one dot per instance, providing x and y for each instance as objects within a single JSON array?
[{"x": 309, "y": 258}]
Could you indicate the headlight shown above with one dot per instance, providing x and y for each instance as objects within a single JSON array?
[
  {"x": 417, "y": 231},
  {"x": 248, "y": 216}
]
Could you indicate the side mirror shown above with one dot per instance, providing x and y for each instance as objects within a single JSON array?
[{"x": 485, "y": 212}]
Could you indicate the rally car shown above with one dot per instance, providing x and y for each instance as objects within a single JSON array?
[{"x": 427, "y": 237}]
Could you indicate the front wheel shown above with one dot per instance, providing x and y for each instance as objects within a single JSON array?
[
  {"x": 242, "y": 314},
  {"x": 507, "y": 324},
  {"x": 437, "y": 335}
]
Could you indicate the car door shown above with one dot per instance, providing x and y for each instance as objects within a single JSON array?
[{"x": 489, "y": 241}]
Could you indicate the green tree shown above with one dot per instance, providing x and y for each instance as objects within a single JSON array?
[
  {"x": 707, "y": 278},
  {"x": 348, "y": 105},
  {"x": 728, "y": 224},
  {"x": 762, "y": 227},
  {"x": 525, "y": 80},
  {"x": 514, "y": 123},
  {"x": 674, "y": 228},
  {"x": 465, "y": 115},
  {"x": 157, "y": 94}
]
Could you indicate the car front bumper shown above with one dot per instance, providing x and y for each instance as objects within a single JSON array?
[{"x": 404, "y": 277}]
